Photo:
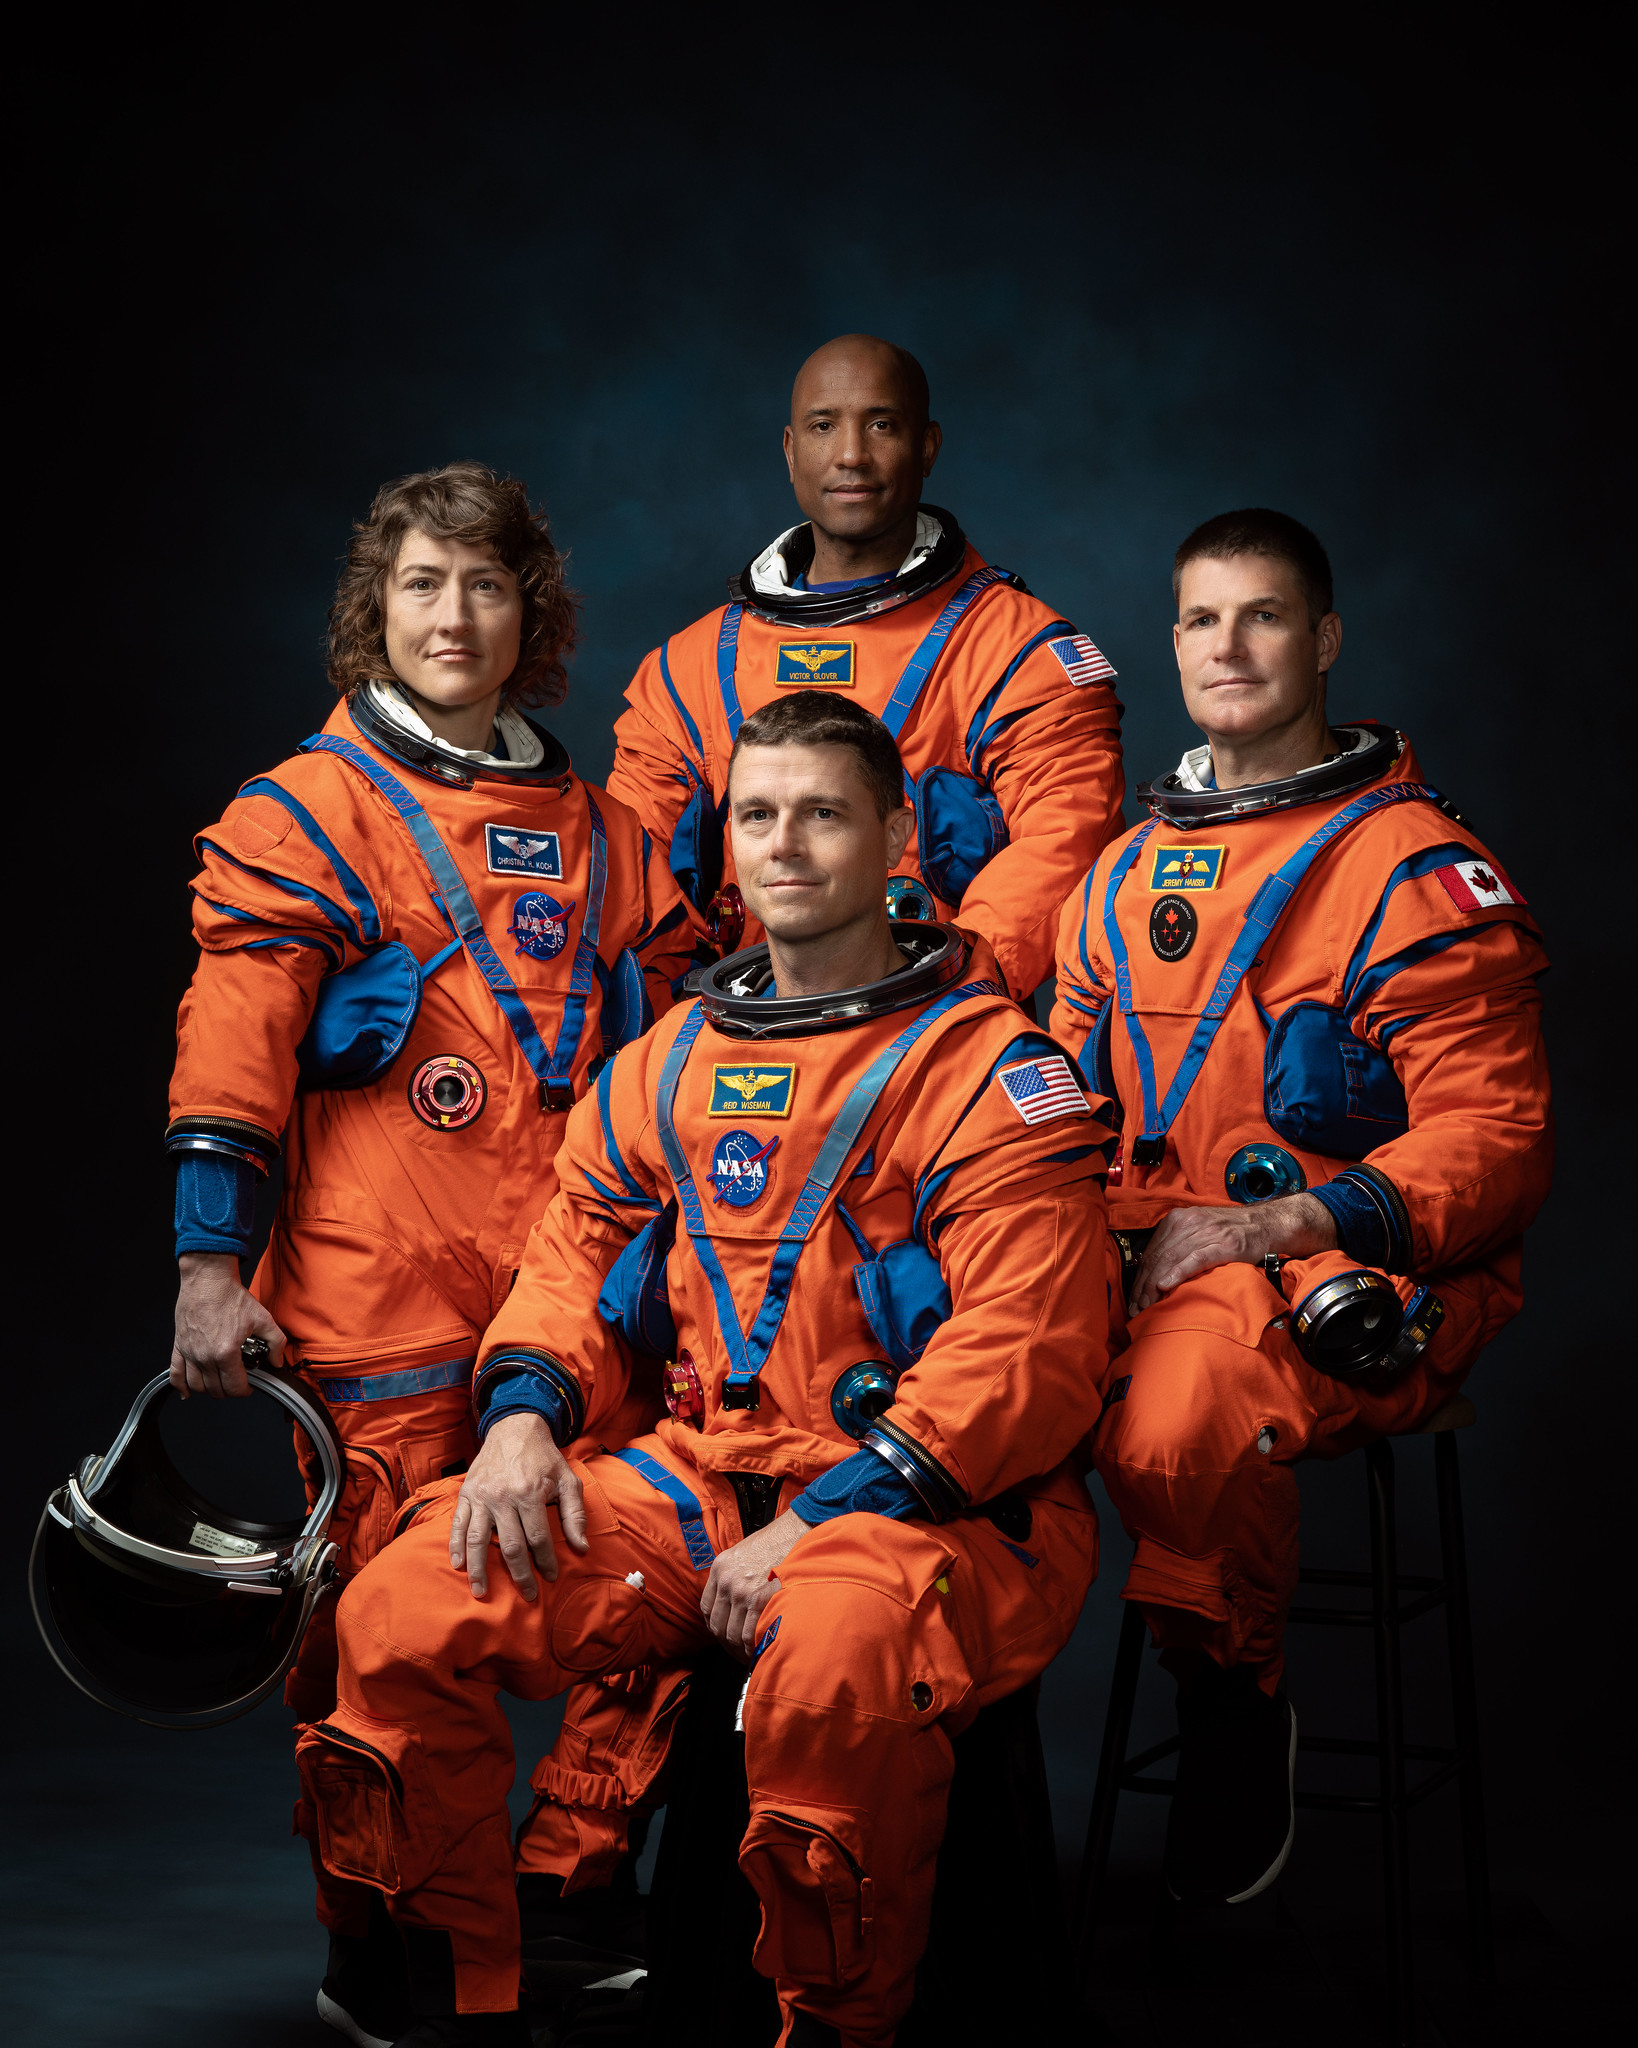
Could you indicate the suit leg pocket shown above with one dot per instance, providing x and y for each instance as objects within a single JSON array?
[{"x": 808, "y": 1867}]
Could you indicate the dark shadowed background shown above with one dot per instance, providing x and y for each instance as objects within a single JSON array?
[{"x": 1154, "y": 269}]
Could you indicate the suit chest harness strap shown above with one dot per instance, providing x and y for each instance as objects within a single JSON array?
[
  {"x": 551, "y": 1069},
  {"x": 749, "y": 1353},
  {"x": 1262, "y": 914},
  {"x": 909, "y": 685}
]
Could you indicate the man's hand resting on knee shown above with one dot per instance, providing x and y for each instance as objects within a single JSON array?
[
  {"x": 1191, "y": 1241},
  {"x": 742, "y": 1583},
  {"x": 516, "y": 1476}
]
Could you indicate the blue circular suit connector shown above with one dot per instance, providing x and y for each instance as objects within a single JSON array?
[
  {"x": 908, "y": 900},
  {"x": 1259, "y": 1173},
  {"x": 861, "y": 1394}
]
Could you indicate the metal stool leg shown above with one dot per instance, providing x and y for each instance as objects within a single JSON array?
[
  {"x": 1100, "y": 1831},
  {"x": 1465, "y": 1709},
  {"x": 1390, "y": 1718}
]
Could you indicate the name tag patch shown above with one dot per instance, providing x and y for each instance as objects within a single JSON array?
[
  {"x": 756, "y": 1090},
  {"x": 1186, "y": 867},
  {"x": 512, "y": 852},
  {"x": 816, "y": 664},
  {"x": 1477, "y": 885},
  {"x": 1080, "y": 660},
  {"x": 1041, "y": 1089}
]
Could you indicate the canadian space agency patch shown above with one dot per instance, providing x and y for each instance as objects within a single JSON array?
[
  {"x": 740, "y": 1167},
  {"x": 1172, "y": 928},
  {"x": 815, "y": 664},
  {"x": 540, "y": 924},
  {"x": 512, "y": 851}
]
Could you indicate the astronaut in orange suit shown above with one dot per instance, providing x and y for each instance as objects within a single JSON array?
[
  {"x": 1312, "y": 992},
  {"x": 854, "y": 1197},
  {"x": 1009, "y": 732},
  {"x": 1005, "y": 714},
  {"x": 419, "y": 936}
]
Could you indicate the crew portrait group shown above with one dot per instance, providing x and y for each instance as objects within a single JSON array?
[{"x": 695, "y": 1243}]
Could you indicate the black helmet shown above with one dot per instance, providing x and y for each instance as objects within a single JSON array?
[{"x": 159, "y": 1602}]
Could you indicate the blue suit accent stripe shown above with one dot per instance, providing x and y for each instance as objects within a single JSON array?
[
  {"x": 980, "y": 732},
  {"x": 462, "y": 913},
  {"x": 605, "y": 1113},
  {"x": 364, "y": 907},
  {"x": 394, "y": 1386},
  {"x": 682, "y": 709},
  {"x": 333, "y": 912},
  {"x": 1123, "y": 968},
  {"x": 727, "y": 660},
  {"x": 748, "y": 1354},
  {"x": 920, "y": 665},
  {"x": 1418, "y": 864},
  {"x": 690, "y": 1515},
  {"x": 1371, "y": 984},
  {"x": 1263, "y": 914}
]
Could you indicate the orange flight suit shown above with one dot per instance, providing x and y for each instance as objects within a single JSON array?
[
  {"x": 1014, "y": 698},
  {"x": 886, "y": 1635},
  {"x": 398, "y": 1237},
  {"x": 1393, "y": 932}
]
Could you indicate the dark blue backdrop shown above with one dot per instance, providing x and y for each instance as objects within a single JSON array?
[{"x": 1154, "y": 270}]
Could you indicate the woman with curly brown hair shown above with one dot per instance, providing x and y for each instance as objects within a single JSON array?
[{"x": 421, "y": 938}]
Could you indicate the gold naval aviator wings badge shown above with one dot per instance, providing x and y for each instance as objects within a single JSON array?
[
  {"x": 815, "y": 664},
  {"x": 762, "y": 1088}
]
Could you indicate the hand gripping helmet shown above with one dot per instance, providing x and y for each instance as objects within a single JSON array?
[{"x": 164, "y": 1604}]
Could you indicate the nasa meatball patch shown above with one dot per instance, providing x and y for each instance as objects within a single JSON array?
[
  {"x": 1478, "y": 885},
  {"x": 1041, "y": 1089},
  {"x": 511, "y": 851},
  {"x": 740, "y": 1169},
  {"x": 540, "y": 924}
]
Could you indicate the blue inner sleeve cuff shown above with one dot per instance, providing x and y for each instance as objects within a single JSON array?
[
  {"x": 215, "y": 1203},
  {"x": 1360, "y": 1229},
  {"x": 523, "y": 1392},
  {"x": 861, "y": 1485}
]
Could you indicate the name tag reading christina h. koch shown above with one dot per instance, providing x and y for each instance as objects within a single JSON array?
[{"x": 815, "y": 664}]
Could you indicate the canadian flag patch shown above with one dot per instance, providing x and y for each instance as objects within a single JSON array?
[{"x": 1477, "y": 885}]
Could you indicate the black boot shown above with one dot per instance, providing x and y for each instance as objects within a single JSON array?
[
  {"x": 365, "y": 1993},
  {"x": 467, "y": 2030},
  {"x": 584, "y": 1959},
  {"x": 432, "y": 1998},
  {"x": 568, "y": 1942},
  {"x": 1234, "y": 1812},
  {"x": 807, "y": 2032}
]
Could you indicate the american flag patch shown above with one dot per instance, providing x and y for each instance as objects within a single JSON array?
[
  {"x": 1477, "y": 885},
  {"x": 1042, "y": 1089},
  {"x": 1080, "y": 660}
]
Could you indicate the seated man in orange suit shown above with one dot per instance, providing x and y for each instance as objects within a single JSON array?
[
  {"x": 1313, "y": 993},
  {"x": 855, "y": 1197}
]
